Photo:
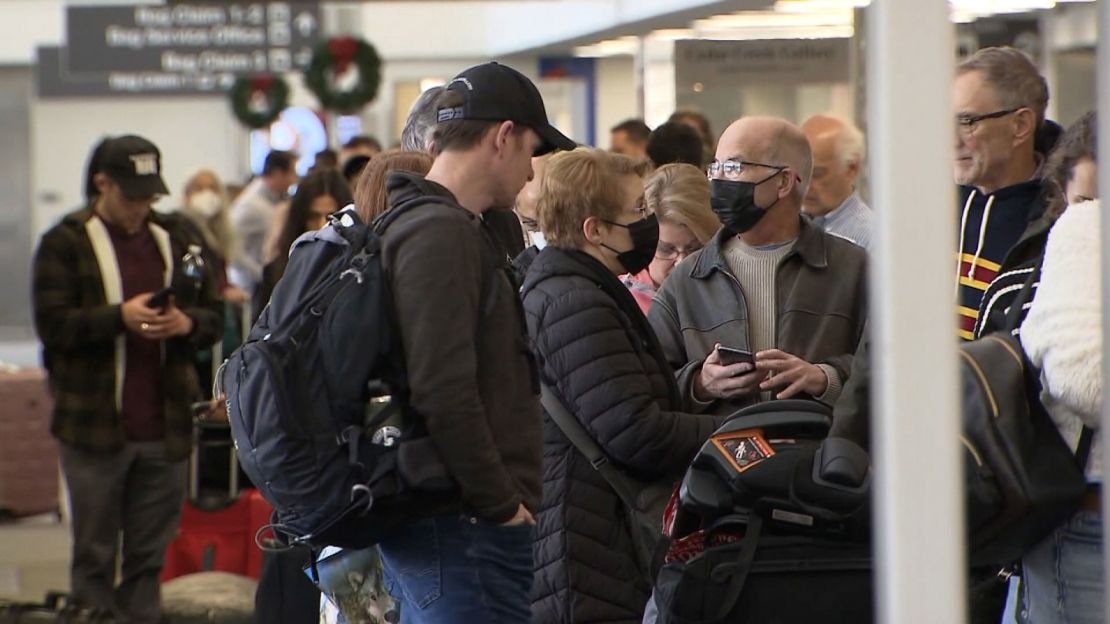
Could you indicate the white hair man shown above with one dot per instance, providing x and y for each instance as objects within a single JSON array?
[{"x": 832, "y": 200}]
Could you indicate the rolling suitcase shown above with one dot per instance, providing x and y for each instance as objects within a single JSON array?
[
  {"x": 28, "y": 453},
  {"x": 218, "y": 527}
]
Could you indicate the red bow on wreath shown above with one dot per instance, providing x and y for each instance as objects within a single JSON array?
[
  {"x": 343, "y": 49},
  {"x": 262, "y": 83}
]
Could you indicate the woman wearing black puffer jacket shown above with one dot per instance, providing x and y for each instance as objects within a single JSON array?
[{"x": 598, "y": 353}]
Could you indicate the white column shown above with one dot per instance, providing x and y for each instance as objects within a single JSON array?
[
  {"x": 1102, "y": 79},
  {"x": 919, "y": 542}
]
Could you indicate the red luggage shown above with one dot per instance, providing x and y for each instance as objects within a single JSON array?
[
  {"x": 28, "y": 453},
  {"x": 217, "y": 533},
  {"x": 219, "y": 539}
]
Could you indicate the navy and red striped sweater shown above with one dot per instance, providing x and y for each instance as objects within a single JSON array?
[{"x": 990, "y": 227}]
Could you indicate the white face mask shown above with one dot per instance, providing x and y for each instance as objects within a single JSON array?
[
  {"x": 538, "y": 240},
  {"x": 206, "y": 203}
]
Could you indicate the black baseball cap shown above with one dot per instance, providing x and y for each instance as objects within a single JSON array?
[
  {"x": 136, "y": 165},
  {"x": 496, "y": 92}
]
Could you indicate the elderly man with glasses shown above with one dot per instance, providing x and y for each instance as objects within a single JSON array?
[
  {"x": 999, "y": 99},
  {"x": 773, "y": 306}
]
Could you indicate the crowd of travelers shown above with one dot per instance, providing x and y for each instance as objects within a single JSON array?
[{"x": 626, "y": 282}]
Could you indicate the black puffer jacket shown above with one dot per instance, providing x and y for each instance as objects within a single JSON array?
[{"x": 598, "y": 353}]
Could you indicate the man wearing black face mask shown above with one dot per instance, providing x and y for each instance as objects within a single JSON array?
[{"x": 769, "y": 283}]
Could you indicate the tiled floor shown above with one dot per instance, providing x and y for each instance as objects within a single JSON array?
[
  {"x": 22, "y": 353},
  {"x": 34, "y": 558}
]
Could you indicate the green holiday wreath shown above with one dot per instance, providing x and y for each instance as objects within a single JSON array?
[
  {"x": 258, "y": 100},
  {"x": 331, "y": 60}
]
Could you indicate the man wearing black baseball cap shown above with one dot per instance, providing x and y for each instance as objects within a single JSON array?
[
  {"x": 471, "y": 378},
  {"x": 121, "y": 372}
]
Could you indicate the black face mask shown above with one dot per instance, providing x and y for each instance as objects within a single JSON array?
[
  {"x": 645, "y": 238},
  {"x": 734, "y": 203}
]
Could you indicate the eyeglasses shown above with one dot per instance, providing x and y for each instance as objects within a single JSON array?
[
  {"x": 667, "y": 251},
  {"x": 731, "y": 169},
  {"x": 966, "y": 123}
]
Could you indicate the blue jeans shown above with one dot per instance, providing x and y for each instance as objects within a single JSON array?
[
  {"x": 460, "y": 569},
  {"x": 1061, "y": 577}
]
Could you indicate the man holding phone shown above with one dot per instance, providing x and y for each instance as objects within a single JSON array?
[
  {"x": 773, "y": 307},
  {"x": 119, "y": 353}
]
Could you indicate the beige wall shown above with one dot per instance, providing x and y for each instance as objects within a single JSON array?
[{"x": 616, "y": 95}]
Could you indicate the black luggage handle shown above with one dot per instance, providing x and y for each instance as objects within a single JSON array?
[{"x": 735, "y": 572}]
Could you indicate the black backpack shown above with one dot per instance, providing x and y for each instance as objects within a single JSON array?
[
  {"x": 1022, "y": 479},
  {"x": 316, "y": 395}
]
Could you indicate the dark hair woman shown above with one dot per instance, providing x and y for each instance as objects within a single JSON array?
[{"x": 318, "y": 195}]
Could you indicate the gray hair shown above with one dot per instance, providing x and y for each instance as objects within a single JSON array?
[
  {"x": 421, "y": 123},
  {"x": 1015, "y": 79},
  {"x": 851, "y": 147}
]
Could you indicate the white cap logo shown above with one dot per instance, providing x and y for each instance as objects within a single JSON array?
[
  {"x": 465, "y": 81},
  {"x": 145, "y": 164}
]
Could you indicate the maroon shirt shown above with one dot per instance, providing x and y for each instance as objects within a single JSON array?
[{"x": 141, "y": 269}]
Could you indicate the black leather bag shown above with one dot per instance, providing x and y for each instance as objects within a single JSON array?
[{"x": 1022, "y": 479}]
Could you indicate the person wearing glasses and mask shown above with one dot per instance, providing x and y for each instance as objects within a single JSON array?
[
  {"x": 999, "y": 99},
  {"x": 678, "y": 196},
  {"x": 769, "y": 283},
  {"x": 598, "y": 354}
]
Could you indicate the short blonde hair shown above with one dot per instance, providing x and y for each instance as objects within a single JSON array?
[
  {"x": 579, "y": 184},
  {"x": 679, "y": 193}
]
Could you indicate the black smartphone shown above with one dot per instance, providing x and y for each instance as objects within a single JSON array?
[
  {"x": 730, "y": 356},
  {"x": 160, "y": 299}
]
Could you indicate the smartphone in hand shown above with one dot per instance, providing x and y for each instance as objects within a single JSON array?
[
  {"x": 160, "y": 299},
  {"x": 730, "y": 356}
]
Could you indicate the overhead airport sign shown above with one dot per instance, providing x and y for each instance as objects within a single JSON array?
[
  {"x": 768, "y": 61},
  {"x": 227, "y": 37},
  {"x": 177, "y": 49},
  {"x": 56, "y": 80}
]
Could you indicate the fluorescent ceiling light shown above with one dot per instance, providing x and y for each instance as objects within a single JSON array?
[
  {"x": 822, "y": 32},
  {"x": 989, "y": 7},
  {"x": 767, "y": 19},
  {"x": 622, "y": 46},
  {"x": 672, "y": 34},
  {"x": 808, "y": 6}
]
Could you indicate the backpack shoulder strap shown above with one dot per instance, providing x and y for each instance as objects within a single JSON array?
[
  {"x": 1023, "y": 297},
  {"x": 1083, "y": 451},
  {"x": 385, "y": 219}
]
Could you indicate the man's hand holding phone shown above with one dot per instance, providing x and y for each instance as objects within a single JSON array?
[
  {"x": 722, "y": 380},
  {"x": 154, "y": 316}
]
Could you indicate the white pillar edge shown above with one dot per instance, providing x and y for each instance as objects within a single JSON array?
[
  {"x": 1102, "y": 79},
  {"x": 920, "y": 552}
]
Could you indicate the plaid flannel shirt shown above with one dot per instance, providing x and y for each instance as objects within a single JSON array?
[{"x": 78, "y": 330}]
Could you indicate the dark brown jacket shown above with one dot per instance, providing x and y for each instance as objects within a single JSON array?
[
  {"x": 470, "y": 373},
  {"x": 820, "y": 300},
  {"x": 79, "y": 331}
]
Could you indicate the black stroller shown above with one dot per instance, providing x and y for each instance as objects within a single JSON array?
[{"x": 770, "y": 525}]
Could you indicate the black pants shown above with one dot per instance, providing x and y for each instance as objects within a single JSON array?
[{"x": 285, "y": 595}]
